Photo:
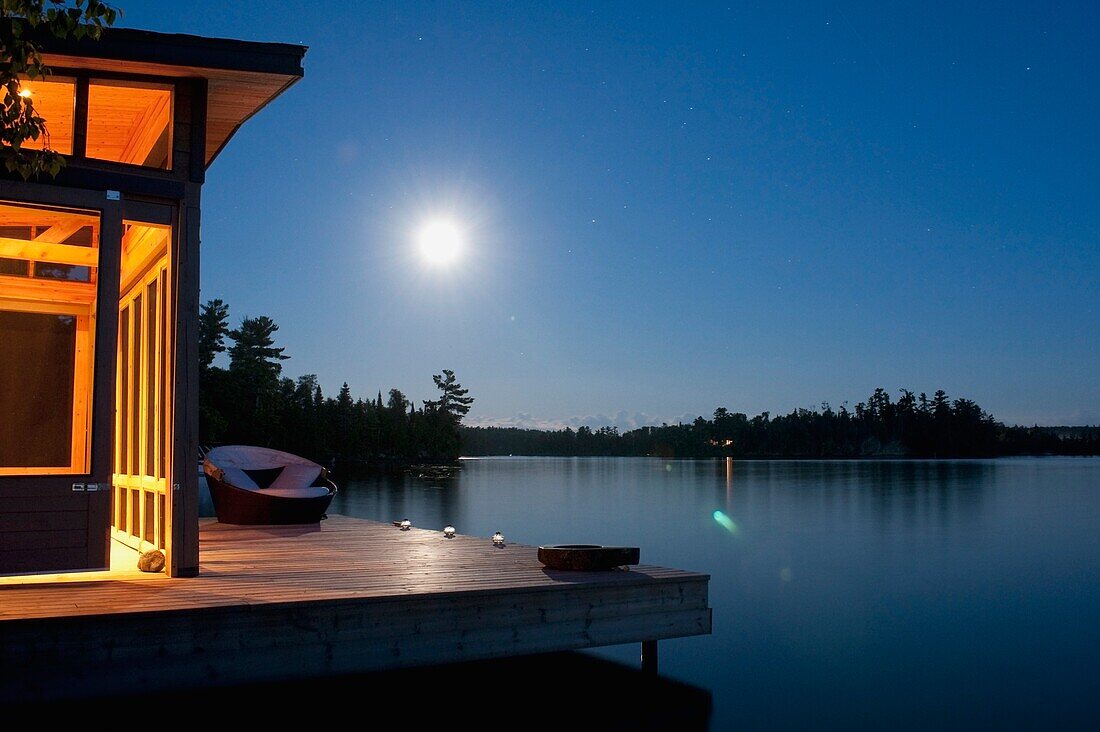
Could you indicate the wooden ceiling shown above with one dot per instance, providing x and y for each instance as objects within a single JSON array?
[
  {"x": 126, "y": 120},
  {"x": 55, "y": 101},
  {"x": 234, "y": 94},
  {"x": 41, "y": 234},
  {"x": 42, "y": 217}
]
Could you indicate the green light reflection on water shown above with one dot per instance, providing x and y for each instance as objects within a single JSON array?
[{"x": 726, "y": 522}]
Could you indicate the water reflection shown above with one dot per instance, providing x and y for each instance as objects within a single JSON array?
[
  {"x": 429, "y": 502},
  {"x": 729, "y": 484},
  {"x": 889, "y": 496},
  {"x": 538, "y": 692},
  {"x": 912, "y": 495},
  {"x": 851, "y": 593}
]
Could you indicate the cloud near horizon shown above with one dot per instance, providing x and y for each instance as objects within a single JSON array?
[{"x": 622, "y": 419}]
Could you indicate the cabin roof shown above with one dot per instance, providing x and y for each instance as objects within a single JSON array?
[{"x": 242, "y": 76}]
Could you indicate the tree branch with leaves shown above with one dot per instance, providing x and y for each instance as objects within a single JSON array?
[{"x": 21, "y": 23}]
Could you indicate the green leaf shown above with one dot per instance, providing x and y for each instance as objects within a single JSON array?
[{"x": 20, "y": 59}]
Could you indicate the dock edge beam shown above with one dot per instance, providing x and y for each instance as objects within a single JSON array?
[{"x": 649, "y": 657}]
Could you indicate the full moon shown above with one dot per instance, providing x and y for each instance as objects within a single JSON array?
[{"x": 439, "y": 242}]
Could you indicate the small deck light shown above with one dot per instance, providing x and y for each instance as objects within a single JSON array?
[
  {"x": 498, "y": 539},
  {"x": 406, "y": 525},
  {"x": 448, "y": 532}
]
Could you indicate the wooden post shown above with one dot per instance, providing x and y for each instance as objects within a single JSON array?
[
  {"x": 183, "y": 486},
  {"x": 649, "y": 657},
  {"x": 103, "y": 409}
]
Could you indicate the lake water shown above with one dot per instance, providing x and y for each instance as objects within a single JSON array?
[{"x": 887, "y": 593}]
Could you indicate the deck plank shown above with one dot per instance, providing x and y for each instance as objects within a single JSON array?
[{"x": 347, "y": 595}]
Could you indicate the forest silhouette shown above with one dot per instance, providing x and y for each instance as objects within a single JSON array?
[
  {"x": 251, "y": 402},
  {"x": 913, "y": 426}
]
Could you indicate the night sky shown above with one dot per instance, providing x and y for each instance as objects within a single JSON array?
[{"x": 666, "y": 210}]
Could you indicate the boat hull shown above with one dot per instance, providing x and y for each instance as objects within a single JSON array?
[{"x": 235, "y": 505}]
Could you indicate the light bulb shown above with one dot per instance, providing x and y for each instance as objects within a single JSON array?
[{"x": 449, "y": 531}]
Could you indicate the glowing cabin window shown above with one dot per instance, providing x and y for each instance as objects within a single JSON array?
[
  {"x": 49, "y": 260},
  {"x": 130, "y": 122},
  {"x": 143, "y": 390},
  {"x": 54, "y": 100}
]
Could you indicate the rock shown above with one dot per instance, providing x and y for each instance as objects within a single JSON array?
[{"x": 151, "y": 561}]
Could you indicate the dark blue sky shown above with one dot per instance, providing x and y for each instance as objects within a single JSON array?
[{"x": 669, "y": 210}]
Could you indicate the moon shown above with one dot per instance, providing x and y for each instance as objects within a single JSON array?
[{"x": 439, "y": 243}]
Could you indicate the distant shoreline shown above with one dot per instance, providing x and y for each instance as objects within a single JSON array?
[
  {"x": 790, "y": 458},
  {"x": 913, "y": 426}
]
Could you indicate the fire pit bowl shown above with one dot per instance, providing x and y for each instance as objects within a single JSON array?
[{"x": 587, "y": 557}]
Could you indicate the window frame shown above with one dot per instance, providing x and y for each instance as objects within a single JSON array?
[
  {"x": 107, "y": 80},
  {"x": 56, "y": 77},
  {"x": 22, "y": 295},
  {"x": 83, "y": 78}
]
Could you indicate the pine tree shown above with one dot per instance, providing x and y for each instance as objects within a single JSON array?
[
  {"x": 214, "y": 391},
  {"x": 398, "y": 402},
  {"x": 453, "y": 401},
  {"x": 254, "y": 350},
  {"x": 254, "y": 370},
  {"x": 213, "y": 328}
]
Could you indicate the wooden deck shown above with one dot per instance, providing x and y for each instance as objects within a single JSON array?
[{"x": 349, "y": 596}]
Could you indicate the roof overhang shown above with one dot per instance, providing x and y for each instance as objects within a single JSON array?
[{"x": 242, "y": 76}]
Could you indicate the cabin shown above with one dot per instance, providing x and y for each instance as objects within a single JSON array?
[
  {"x": 99, "y": 363},
  {"x": 99, "y": 294}
]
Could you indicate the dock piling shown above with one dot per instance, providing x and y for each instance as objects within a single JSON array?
[{"x": 649, "y": 657}]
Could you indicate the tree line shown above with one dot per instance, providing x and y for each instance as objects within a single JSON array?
[
  {"x": 252, "y": 403},
  {"x": 912, "y": 426}
]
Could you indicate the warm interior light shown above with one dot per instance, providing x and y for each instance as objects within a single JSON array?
[
  {"x": 49, "y": 260},
  {"x": 142, "y": 403},
  {"x": 440, "y": 242},
  {"x": 54, "y": 101},
  {"x": 130, "y": 122}
]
